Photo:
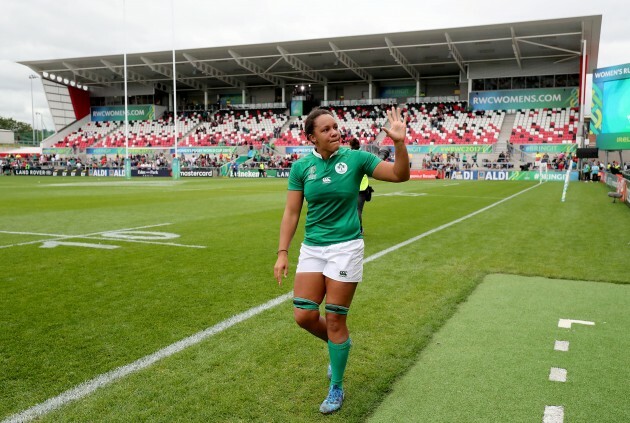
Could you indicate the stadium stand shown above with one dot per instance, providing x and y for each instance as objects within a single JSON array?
[
  {"x": 238, "y": 127},
  {"x": 539, "y": 126},
  {"x": 156, "y": 133},
  {"x": 363, "y": 122},
  {"x": 451, "y": 123},
  {"x": 87, "y": 135}
]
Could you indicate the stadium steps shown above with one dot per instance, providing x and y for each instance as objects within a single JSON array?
[
  {"x": 194, "y": 128},
  {"x": 506, "y": 132}
]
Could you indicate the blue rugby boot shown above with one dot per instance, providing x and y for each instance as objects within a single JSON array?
[{"x": 333, "y": 401}]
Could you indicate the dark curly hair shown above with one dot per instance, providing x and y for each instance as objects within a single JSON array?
[{"x": 309, "y": 123}]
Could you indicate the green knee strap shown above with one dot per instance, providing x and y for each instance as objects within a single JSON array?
[
  {"x": 305, "y": 304},
  {"x": 337, "y": 309}
]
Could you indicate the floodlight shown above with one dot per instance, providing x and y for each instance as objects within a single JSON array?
[
  {"x": 59, "y": 78},
  {"x": 45, "y": 74},
  {"x": 66, "y": 81}
]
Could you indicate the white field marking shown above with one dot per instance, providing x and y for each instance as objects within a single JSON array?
[
  {"x": 476, "y": 197},
  {"x": 553, "y": 414},
  {"x": 104, "y": 379},
  {"x": 556, "y": 374},
  {"x": 566, "y": 323},
  {"x": 60, "y": 237},
  {"x": 106, "y": 237},
  {"x": 118, "y": 184},
  {"x": 561, "y": 346},
  {"x": 30, "y": 233},
  {"x": 140, "y": 235},
  {"x": 84, "y": 389},
  {"x": 53, "y": 244},
  {"x": 401, "y": 194},
  {"x": 137, "y": 241}
]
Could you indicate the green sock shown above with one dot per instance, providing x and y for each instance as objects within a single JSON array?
[{"x": 338, "y": 359}]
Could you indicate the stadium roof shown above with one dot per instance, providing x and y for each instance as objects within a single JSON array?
[{"x": 381, "y": 58}]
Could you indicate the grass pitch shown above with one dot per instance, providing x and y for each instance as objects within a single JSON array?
[
  {"x": 70, "y": 313},
  {"x": 491, "y": 361}
]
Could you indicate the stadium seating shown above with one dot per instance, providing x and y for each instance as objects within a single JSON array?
[
  {"x": 87, "y": 135},
  {"x": 156, "y": 133},
  {"x": 539, "y": 126},
  {"x": 238, "y": 127},
  {"x": 450, "y": 123},
  {"x": 361, "y": 122}
]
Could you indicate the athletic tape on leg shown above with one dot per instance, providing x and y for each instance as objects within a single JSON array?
[
  {"x": 305, "y": 304},
  {"x": 337, "y": 309}
]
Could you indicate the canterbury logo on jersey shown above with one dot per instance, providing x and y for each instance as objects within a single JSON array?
[
  {"x": 326, "y": 180},
  {"x": 343, "y": 273}
]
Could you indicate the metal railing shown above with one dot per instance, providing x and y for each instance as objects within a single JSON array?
[{"x": 362, "y": 102}]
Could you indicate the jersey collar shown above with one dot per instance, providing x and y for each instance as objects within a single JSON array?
[{"x": 320, "y": 156}]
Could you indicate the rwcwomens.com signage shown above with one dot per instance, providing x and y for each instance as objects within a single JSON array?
[
  {"x": 117, "y": 113},
  {"x": 524, "y": 99}
]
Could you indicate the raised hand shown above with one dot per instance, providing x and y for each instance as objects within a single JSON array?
[{"x": 397, "y": 130}]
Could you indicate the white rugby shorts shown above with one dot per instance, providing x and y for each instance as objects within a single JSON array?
[{"x": 342, "y": 262}]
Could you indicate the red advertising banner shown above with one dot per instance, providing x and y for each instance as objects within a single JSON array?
[{"x": 423, "y": 174}]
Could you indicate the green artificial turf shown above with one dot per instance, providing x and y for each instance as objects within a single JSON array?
[{"x": 491, "y": 361}]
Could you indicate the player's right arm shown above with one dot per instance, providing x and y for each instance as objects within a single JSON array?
[{"x": 290, "y": 220}]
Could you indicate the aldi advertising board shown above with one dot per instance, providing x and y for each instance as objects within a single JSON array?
[{"x": 610, "y": 108}]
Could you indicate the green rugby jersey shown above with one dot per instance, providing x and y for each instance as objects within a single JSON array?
[{"x": 331, "y": 188}]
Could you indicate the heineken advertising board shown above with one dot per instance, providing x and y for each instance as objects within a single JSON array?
[
  {"x": 610, "y": 108},
  {"x": 524, "y": 99},
  {"x": 117, "y": 113}
]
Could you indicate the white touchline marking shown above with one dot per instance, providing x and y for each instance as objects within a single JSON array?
[
  {"x": 561, "y": 346},
  {"x": 60, "y": 237},
  {"x": 556, "y": 374},
  {"x": 86, "y": 388},
  {"x": 53, "y": 244},
  {"x": 553, "y": 414},
  {"x": 104, "y": 379},
  {"x": 566, "y": 323}
]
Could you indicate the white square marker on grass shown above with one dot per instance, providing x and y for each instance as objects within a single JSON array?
[
  {"x": 566, "y": 323},
  {"x": 557, "y": 374},
  {"x": 561, "y": 346},
  {"x": 553, "y": 414}
]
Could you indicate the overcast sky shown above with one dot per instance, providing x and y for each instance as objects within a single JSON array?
[{"x": 42, "y": 29}]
